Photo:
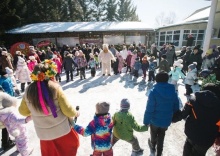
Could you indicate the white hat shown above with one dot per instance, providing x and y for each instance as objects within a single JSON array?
[
  {"x": 178, "y": 63},
  {"x": 31, "y": 47},
  {"x": 54, "y": 56},
  {"x": 17, "y": 52},
  {"x": 31, "y": 58},
  {"x": 8, "y": 70},
  {"x": 4, "y": 52}
]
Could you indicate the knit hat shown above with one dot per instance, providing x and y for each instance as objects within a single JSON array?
[
  {"x": 162, "y": 77},
  {"x": 7, "y": 100},
  {"x": 192, "y": 66},
  {"x": 215, "y": 88},
  {"x": 178, "y": 63},
  {"x": 18, "y": 52},
  {"x": 4, "y": 52},
  {"x": 125, "y": 104},
  {"x": 31, "y": 58},
  {"x": 9, "y": 71},
  {"x": 164, "y": 56},
  {"x": 102, "y": 108}
]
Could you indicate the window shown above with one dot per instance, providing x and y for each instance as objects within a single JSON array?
[{"x": 197, "y": 34}]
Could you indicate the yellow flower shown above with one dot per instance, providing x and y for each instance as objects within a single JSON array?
[
  {"x": 34, "y": 77},
  {"x": 47, "y": 73}
]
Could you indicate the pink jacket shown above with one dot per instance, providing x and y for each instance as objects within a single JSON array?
[
  {"x": 59, "y": 65},
  {"x": 134, "y": 56},
  {"x": 31, "y": 65},
  {"x": 120, "y": 63}
]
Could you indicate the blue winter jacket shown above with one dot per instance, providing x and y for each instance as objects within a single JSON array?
[
  {"x": 6, "y": 84},
  {"x": 162, "y": 103},
  {"x": 137, "y": 65},
  {"x": 176, "y": 74}
]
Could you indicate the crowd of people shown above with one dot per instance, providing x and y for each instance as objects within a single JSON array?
[{"x": 46, "y": 104}]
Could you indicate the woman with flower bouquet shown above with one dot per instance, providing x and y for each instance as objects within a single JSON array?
[{"x": 45, "y": 101}]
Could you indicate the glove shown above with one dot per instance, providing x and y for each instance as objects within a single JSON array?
[{"x": 27, "y": 119}]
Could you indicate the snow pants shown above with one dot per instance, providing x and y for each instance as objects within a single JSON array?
[{"x": 106, "y": 68}]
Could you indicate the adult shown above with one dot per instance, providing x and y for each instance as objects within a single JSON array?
[
  {"x": 163, "y": 50},
  {"x": 15, "y": 61},
  {"x": 68, "y": 65},
  {"x": 6, "y": 61},
  {"x": 33, "y": 53},
  {"x": 170, "y": 54},
  {"x": 196, "y": 56},
  {"x": 45, "y": 101},
  {"x": 86, "y": 51},
  {"x": 182, "y": 52},
  {"x": 42, "y": 55},
  {"x": 113, "y": 50},
  {"x": 185, "y": 59},
  {"x": 201, "y": 114},
  {"x": 189, "y": 40},
  {"x": 124, "y": 52},
  {"x": 161, "y": 105},
  {"x": 105, "y": 58},
  {"x": 49, "y": 53}
]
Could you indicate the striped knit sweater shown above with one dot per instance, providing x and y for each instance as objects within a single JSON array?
[{"x": 100, "y": 129}]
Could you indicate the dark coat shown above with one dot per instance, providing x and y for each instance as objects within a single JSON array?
[
  {"x": 145, "y": 65},
  {"x": 68, "y": 63},
  {"x": 196, "y": 58},
  {"x": 201, "y": 128},
  {"x": 128, "y": 60},
  {"x": 170, "y": 56},
  {"x": 164, "y": 65}
]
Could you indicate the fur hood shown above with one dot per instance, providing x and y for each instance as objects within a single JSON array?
[{"x": 7, "y": 100}]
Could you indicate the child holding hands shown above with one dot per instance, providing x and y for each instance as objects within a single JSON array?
[
  {"x": 100, "y": 129},
  {"x": 124, "y": 124}
]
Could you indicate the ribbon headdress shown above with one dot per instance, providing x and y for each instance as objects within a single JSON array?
[{"x": 39, "y": 77}]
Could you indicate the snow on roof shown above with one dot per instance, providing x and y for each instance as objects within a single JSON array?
[
  {"x": 80, "y": 27},
  {"x": 183, "y": 23},
  {"x": 199, "y": 14}
]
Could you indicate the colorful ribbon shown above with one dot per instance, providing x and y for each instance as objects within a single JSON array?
[
  {"x": 48, "y": 99},
  {"x": 43, "y": 106}
]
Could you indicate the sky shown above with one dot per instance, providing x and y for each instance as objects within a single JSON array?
[{"x": 148, "y": 10}]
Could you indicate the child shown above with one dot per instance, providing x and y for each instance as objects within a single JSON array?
[
  {"x": 6, "y": 83},
  {"x": 191, "y": 77},
  {"x": 145, "y": 66},
  {"x": 164, "y": 65},
  {"x": 120, "y": 62},
  {"x": 124, "y": 124},
  {"x": 151, "y": 73},
  {"x": 22, "y": 73},
  {"x": 100, "y": 129},
  {"x": 75, "y": 59},
  {"x": 13, "y": 80},
  {"x": 137, "y": 67},
  {"x": 128, "y": 61},
  {"x": 13, "y": 123},
  {"x": 82, "y": 64},
  {"x": 92, "y": 64},
  {"x": 59, "y": 67},
  {"x": 176, "y": 73},
  {"x": 31, "y": 63},
  {"x": 96, "y": 57},
  {"x": 115, "y": 65}
]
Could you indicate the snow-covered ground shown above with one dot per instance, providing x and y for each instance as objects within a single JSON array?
[{"x": 86, "y": 93}]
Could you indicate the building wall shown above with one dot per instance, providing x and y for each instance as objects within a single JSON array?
[{"x": 178, "y": 34}]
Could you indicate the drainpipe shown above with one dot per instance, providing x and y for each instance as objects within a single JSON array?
[{"x": 208, "y": 33}]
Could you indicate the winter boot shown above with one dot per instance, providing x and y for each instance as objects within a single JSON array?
[
  {"x": 139, "y": 152},
  {"x": 152, "y": 147},
  {"x": 22, "y": 87}
]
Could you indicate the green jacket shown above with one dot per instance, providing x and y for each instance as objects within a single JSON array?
[{"x": 124, "y": 124}]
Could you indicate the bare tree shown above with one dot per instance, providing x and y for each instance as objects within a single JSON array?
[{"x": 163, "y": 19}]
